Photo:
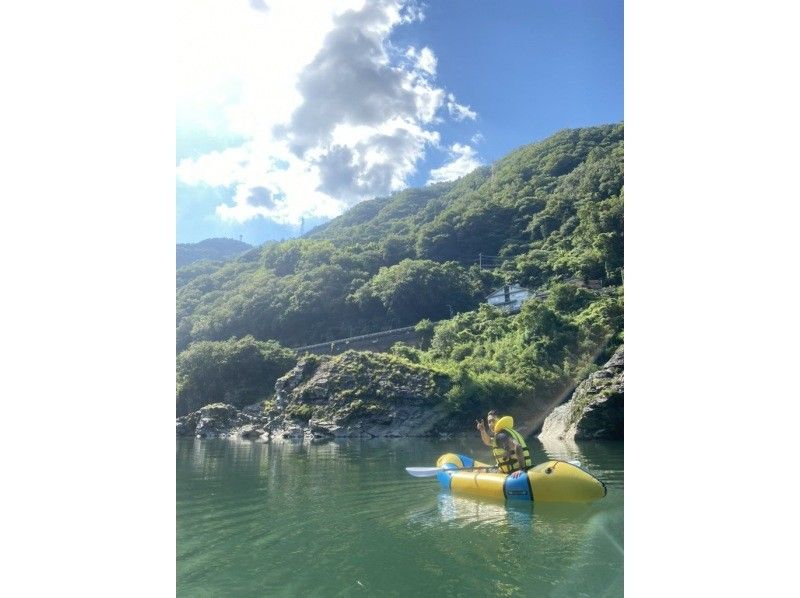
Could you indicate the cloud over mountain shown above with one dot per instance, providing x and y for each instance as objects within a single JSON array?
[
  {"x": 464, "y": 160},
  {"x": 357, "y": 120}
]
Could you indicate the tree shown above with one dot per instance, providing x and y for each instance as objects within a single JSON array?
[
  {"x": 417, "y": 289},
  {"x": 236, "y": 371}
]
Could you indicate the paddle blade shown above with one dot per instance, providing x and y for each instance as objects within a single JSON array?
[{"x": 423, "y": 472}]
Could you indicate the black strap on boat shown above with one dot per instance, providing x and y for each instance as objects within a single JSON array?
[{"x": 530, "y": 487}]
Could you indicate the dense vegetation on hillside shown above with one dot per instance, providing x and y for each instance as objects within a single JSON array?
[
  {"x": 546, "y": 213},
  {"x": 550, "y": 209},
  {"x": 209, "y": 249},
  {"x": 535, "y": 356},
  {"x": 237, "y": 372}
]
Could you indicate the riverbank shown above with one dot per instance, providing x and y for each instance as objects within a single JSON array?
[{"x": 367, "y": 395}]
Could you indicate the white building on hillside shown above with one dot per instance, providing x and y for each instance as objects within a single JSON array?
[{"x": 509, "y": 297}]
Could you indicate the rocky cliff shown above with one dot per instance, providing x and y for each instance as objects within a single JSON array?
[
  {"x": 356, "y": 394},
  {"x": 221, "y": 420},
  {"x": 596, "y": 408}
]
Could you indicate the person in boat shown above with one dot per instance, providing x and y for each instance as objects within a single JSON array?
[{"x": 509, "y": 448}]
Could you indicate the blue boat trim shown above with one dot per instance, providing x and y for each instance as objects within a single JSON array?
[
  {"x": 467, "y": 461},
  {"x": 518, "y": 488},
  {"x": 445, "y": 477}
]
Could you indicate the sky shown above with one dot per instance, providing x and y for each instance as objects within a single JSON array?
[{"x": 291, "y": 111}]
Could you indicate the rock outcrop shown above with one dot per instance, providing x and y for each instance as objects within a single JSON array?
[
  {"x": 595, "y": 411},
  {"x": 352, "y": 395},
  {"x": 221, "y": 420},
  {"x": 358, "y": 394},
  {"x": 367, "y": 395}
]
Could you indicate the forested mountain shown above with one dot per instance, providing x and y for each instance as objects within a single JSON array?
[
  {"x": 547, "y": 213},
  {"x": 548, "y": 210},
  {"x": 209, "y": 249}
]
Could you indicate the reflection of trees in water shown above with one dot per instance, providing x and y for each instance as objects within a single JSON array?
[{"x": 211, "y": 458}]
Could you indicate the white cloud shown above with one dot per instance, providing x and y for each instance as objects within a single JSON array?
[
  {"x": 458, "y": 111},
  {"x": 331, "y": 113},
  {"x": 464, "y": 161},
  {"x": 289, "y": 182},
  {"x": 243, "y": 63},
  {"x": 424, "y": 60}
]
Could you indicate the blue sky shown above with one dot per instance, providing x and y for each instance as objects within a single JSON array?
[
  {"x": 527, "y": 68},
  {"x": 298, "y": 110}
]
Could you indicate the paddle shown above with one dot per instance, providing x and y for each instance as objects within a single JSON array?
[{"x": 429, "y": 472}]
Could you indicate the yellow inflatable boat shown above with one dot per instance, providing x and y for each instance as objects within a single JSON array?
[{"x": 551, "y": 481}]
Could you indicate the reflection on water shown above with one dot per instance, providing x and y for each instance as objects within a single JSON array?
[
  {"x": 343, "y": 517},
  {"x": 565, "y": 450},
  {"x": 466, "y": 511}
]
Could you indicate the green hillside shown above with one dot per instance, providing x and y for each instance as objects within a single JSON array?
[
  {"x": 548, "y": 212},
  {"x": 209, "y": 249}
]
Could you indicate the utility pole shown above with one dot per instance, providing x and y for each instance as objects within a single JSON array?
[{"x": 480, "y": 261}]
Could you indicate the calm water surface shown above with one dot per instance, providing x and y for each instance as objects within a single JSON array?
[{"x": 344, "y": 519}]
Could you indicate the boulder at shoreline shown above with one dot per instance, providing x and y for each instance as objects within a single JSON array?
[{"x": 595, "y": 411}]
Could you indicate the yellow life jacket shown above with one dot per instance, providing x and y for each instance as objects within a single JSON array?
[{"x": 510, "y": 465}]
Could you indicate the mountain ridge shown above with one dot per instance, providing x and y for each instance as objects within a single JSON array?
[
  {"x": 214, "y": 249},
  {"x": 548, "y": 210}
]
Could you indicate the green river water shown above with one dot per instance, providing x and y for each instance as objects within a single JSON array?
[{"x": 344, "y": 519}]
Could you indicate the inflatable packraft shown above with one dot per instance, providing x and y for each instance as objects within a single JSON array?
[{"x": 551, "y": 481}]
